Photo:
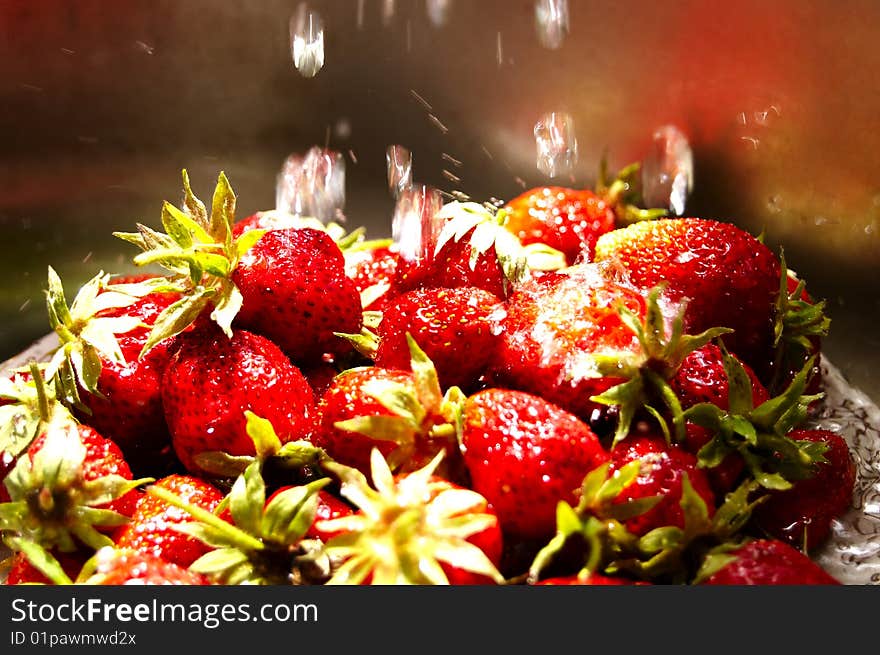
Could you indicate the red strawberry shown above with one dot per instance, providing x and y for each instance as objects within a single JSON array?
[
  {"x": 594, "y": 579},
  {"x": 663, "y": 468},
  {"x": 70, "y": 486},
  {"x": 554, "y": 328},
  {"x": 701, "y": 378},
  {"x": 128, "y": 405},
  {"x": 272, "y": 220},
  {"x": 212, "y": 379},
  {"x": 22, "y": 571},
  {"x": 728, "y": 277},
  {"x": 363, "y": 410},
  {"x": 475, "y": 250},
  {"x": 122, "y": 567},
  {"x": 296, "y": 293},
  {"x": 767, "y": 562},
  {"x": 803, "y": 515},
  {"x": 373, "y": 268},
  {"x": 570, "y": 220},
  {"x": 525, "y": 455},
  {"x": 153, "y": 526},
  {"x": 454, "y": 327},
  {"x": 329, "y": 507},
  {"x": 414, "y": 528}
]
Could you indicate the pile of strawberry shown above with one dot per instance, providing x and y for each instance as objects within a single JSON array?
[{"x": 562, "y": 390}]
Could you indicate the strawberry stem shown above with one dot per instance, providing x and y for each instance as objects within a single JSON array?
[{"x": 40, "y": 386}]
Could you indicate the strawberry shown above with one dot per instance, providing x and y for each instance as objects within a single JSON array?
[
  {"x": 125, "y": 403},
  {"x": 403, "y": 414},
  {"x": 212, "y": 380},
  {"x": 763, "y": 562},
  {"x": 454, "y": 327},
  {"x": 296, "y": 293},
  {"x": 524, "y": 455},
  {"x": 263, "y": 541},
  {"x": 70, "y": 487},
  {"x": 663, "y": 468},
  {"x": 554, "y": 329},
  {"x": 804, "y": 514},
  {"x": 329, "y": 507},
  {"x": 702, "y": 378},
  {"x": 475, "y": 250},
  {"x": 594, "y": 579},
  {"x": 153, "y": 529},
  {"x": 291, "y": 287},
  {"x": 373, "y": 268},
  {"x": 22, "y": 571},
  {"x": 112, "y": 566},
  {"x": 569, "y": 220},
  {"x": 728, "y": 277},
  {"x": 412, "y": 528}
]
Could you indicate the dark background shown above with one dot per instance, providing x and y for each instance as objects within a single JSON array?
[{"x": 103, "y": 103}]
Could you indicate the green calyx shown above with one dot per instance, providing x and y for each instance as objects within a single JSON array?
[
  {"x": 648, "y": 373},
  {"x": 297, "y": 455},
  {"x": 200, "y": 254},
  {"x": 407, "y": 527},
  {"x": 366, "y": 342},
  {"x": 264, "y": 543},
  {"x": 485, "y": 223},
  {"x": 86, "y": 339},
  {"x": 759, "y": 434},
  {"x": 52, "y": 504},
  {"x": 422, "y": 418},
  {"x": 597, "y": 521},
  {"x": 668, "y": 553},
  {"x": 624, "y": 193},
  {"x": 797, "y": 324},
  {"x": 31, "y": 408}
]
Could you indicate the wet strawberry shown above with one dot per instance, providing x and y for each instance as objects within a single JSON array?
[
  {"x": 213, "y": 379},
  {"x": 373, "y": 269},
  {"x": 295, "y": 292},
  {"x": 570, "y": 220},
  {"x": 663, "y": 468},
  {"x": 553, "y": 330},
  {"x": 767, "y": 562},
  {"x": 729, "y": 278},
  {"x": 22, "y": 571},
  {"x": 804, "y": 514},
  {"x": 114, "y": 566},
  {"x": 153, "y": 526},
  {"x": 525, "y": 455},
  {"x": 329, "y": 507},
  {"x": 454, "y": 327}
]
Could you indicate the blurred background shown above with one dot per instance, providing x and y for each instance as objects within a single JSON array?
[{"x": 102, "y": 104}]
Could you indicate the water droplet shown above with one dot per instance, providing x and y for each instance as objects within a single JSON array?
[
  {"x": 307, "y": 41},
  {"x": 551, "y": 20},
  {"x": 388, "y": 10},
  {"x": 399, "y": 161},
  {"x": 668, "y": 170},
  {"x": 556, "y": 143},
  {"x": 438, "y": 11},
  {"x": 342, "y": 129},
  {"x": 414, "y": 227},
  {"x": 312, "y": 185},
  {"x": 499, "y": 50}
]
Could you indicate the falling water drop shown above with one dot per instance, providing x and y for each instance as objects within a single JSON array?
[
  {"x": 312, "y": 184},
  {"x": 307, "y": 41},
  {"x": 399, "y": 161},
  {"x": 414, "y": 227},
  {"x": 438, "y": 11},
  {"x": 556, "y": 143},
  {"x": 551, "y": 20},
  {"x": 668, "y": 170}
]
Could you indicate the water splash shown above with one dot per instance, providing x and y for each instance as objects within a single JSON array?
[
  {"x": 414, "y": 227},
  {"x": 399, "y": 161},
  {"x": 556, "y": 144},
  {"x": 551, "y": 21},
  {"x": 307, "y": 41},
  {"x": 312, "y": 184},
  {"x": 668, "y": 170},
  {"x": 438, "y": 11}
]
